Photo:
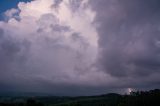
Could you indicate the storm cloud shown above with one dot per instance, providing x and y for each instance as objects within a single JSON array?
[
  {"x": 47, "y": 47},
  {"x": 86, "y": 46},
  {"x": 129, "y": 40}
]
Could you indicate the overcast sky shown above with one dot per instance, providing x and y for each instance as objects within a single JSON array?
[{"x": 79, "y": 47}]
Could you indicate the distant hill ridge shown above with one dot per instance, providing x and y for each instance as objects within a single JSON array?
[{"x": 139, "y": 98}]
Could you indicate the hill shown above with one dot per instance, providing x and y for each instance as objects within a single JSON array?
[{"x": 139, "y": 98}]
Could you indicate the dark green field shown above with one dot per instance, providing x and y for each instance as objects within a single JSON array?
[{"x": 140, "y": 98}]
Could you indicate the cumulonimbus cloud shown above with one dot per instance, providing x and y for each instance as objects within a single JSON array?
[
  {"x": 49, "y": 41},
  {"x": 89, "y": 46}
]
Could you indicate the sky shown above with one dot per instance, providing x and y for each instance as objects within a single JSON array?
[
  {"x": 79, "y": 47},
  {"x": 7, "y": 4}
]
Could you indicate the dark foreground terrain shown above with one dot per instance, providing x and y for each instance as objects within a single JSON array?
[{"x": 140, "y": 98}]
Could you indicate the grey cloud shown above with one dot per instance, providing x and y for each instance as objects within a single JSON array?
[
  {"x": 10, "y": 48},
  {"x": 49, "y": 20},
  {"x": 128, "y": 35},
  {"x": 12, "y": 57},
  {"x": 75, "y": 4},
  {"x": 57, "y": 3},
  {"x": 51, "y": 62},
  {"x": 44, "y": 62}
]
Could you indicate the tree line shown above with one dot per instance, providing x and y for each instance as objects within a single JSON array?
[{"x": 138, "y": 98}]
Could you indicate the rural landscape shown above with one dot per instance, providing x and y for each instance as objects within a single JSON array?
[
  {"x": 139, "y": 98},
  {"x": 79, "y": 52}
]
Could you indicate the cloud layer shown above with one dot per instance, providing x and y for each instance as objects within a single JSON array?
[
  {"x": 129, "y": 40},
  {"x": 85, "y": 46},
  {"x": 46, "y": 45}
]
